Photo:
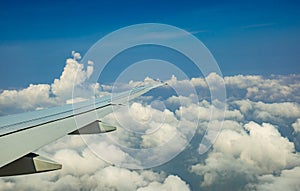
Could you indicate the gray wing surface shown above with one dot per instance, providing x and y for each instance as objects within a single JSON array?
[{"x": 22, "y": 134}]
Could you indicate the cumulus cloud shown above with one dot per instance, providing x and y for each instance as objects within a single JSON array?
[
  {"x": 275, "y": 88},
  {"x": 173, "y": 183},
  {"x": 287, "y": 180},
  {"x": 269, "y": 111},
  {"x": 12, "y": 101},
  {"x": 254, "y": 151},
  {"x": 83, "y": 170},
  {"x": 266, "y": 89},
  {"x": 59, "y": 92},
  {"x": 76, "y": 55},
  {"x": 296, "y": 126},
  {"x": 150, "y": 136},
  {"x": 242, "y": 156},
  {"x": 246, "y": 151}
]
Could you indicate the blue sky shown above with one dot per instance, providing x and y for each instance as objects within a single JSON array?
[
  {"x": 259, "y": 145},
  {"x": 245, "y": 37}
]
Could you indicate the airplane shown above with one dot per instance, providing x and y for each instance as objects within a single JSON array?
[{"x": 22, "y": 134}]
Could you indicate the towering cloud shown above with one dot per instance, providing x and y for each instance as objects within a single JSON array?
[{"x": 44, "y": 95}]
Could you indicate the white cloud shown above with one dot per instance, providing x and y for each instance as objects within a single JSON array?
[
  {"x": 269, "y": 111},
  {"x": 83, "y": 170},
  {"x": 241, "y": 81},
  {"x": 159, "y": 133},
  {"x": 113, "y": 178},
  {"x": 73, "y": 76},
  {"x": 253, "y": 87},
  {"x": 244, "y": 105},
  {"x": 296, "y": 126},
  {"x": 285, "y": 109},
  {"x": 81, "y": 163},
  {"x": 244, "y": 155},
  {"x": 35, "y": 96},
  {"x": 182, "y": 100},
  {"x": 173, "y": 183},
  {"x": 199, "y": 82},
  {"x": 76, "y": 55},
  {"x": 287, "y": 180},
  {"x": 273, "y": 88},
  {"x": 41, "y": 96},
  {"x": 182, "y": 87}
]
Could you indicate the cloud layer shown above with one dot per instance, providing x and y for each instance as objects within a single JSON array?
[{"x": 257, "y": 149}]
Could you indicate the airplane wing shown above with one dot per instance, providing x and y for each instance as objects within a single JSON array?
[{"x": 22, "y": 134}]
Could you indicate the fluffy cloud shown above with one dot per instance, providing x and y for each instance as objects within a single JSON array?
[
  {"x": 59, "y": 92},
  {"x": 11, "y": 101},
  {"x": 150, "y": 136},
  {"x": 241, "y": 81},
  {"x": 83, "y": 170},
  {"x": 269, "y": 111},
  {"x": 173, "y": 183},
  {"x": 242, "y": 156},
  {"x": 254, "y": 151},
  {"x": 267, "y": 89},
  {"x": 296, "y": 126},
  {"x": 254, "y": 87},
  {"x": 287, "y": 180}
]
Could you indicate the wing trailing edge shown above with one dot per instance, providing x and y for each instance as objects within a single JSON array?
[
  {"x": 94, "y": 128},
  {"x": 28, "y": 164}
]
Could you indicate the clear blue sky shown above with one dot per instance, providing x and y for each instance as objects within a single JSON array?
[{"x": 255, "y": 37}]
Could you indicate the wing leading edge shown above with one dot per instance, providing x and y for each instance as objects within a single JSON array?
[{"x": 21, "y": 134}]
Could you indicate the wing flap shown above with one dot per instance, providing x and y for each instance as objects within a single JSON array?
[
  {"x": 94, "y": 128},
  {"x": 28, "y": 164}
]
